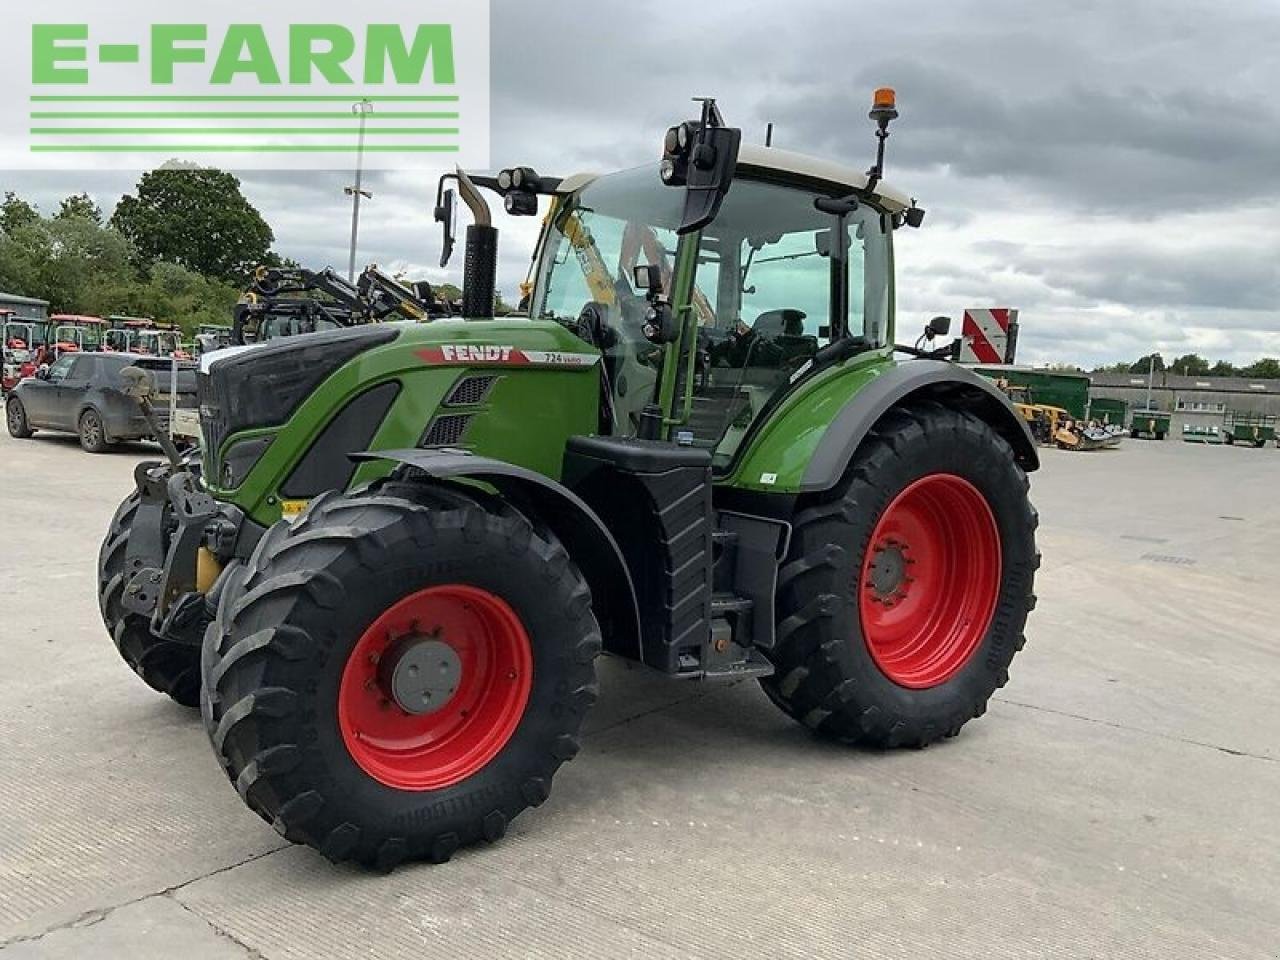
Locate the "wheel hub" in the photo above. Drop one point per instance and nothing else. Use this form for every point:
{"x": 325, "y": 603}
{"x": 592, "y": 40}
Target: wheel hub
{"x": 887, "y": 577}
{"x": 420, "y": 674}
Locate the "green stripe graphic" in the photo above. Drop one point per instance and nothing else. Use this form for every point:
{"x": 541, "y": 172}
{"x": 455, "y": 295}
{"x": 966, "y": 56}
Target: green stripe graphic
{"x": 222, "y": 131}
{"x": 240, "y": 148}
{"x": 173, "y": 98}
{"x": 187, "y": 115}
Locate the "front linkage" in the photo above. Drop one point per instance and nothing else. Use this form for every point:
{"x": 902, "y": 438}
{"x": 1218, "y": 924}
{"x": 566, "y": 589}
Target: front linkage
{"x": 159, "y": 562}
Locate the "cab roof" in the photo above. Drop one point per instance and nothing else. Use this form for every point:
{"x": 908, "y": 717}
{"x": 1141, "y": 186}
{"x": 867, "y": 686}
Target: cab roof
{"x": 815, "y": 168}
{"x": 758, "y": 159}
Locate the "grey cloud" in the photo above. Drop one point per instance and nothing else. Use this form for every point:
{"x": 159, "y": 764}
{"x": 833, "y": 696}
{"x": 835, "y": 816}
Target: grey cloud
{"x": 1124, "y": 113}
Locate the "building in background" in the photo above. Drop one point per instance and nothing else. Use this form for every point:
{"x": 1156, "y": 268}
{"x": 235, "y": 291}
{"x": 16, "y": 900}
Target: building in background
{"x": 1198, "y": 401}
{"x": 29, "y": 309}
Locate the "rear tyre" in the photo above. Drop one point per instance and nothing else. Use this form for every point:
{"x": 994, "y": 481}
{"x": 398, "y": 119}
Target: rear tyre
{"x": 399, "y": 673}
{"x": 167, "y": 666}
{"x": 904, "y": 596}
{"x": 15, "y": 417}
{"x": 93, "y": 434}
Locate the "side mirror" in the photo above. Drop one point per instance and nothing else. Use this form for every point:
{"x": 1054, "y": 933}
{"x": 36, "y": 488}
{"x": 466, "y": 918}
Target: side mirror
{"x": 647, "y": 277}
{"x": 447, "y": 215}
{"x": 138, "y": 383}
{"x": 42, "y": 372}
{"x": 939, "y": 326}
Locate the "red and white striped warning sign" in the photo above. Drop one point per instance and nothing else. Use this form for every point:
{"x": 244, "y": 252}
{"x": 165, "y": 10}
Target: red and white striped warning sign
{"x": 985, "y": 335}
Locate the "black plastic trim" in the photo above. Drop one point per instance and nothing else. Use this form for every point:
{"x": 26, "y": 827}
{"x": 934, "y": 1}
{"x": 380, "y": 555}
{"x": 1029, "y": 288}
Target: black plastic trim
{"x": 240, "y": 459}
{"x": 265, "y": 385}
{"x": 327, "y": 464}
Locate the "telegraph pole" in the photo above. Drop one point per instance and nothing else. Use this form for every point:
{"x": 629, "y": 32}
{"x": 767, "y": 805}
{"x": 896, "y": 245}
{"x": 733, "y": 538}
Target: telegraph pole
{"x": 361, "y": 110}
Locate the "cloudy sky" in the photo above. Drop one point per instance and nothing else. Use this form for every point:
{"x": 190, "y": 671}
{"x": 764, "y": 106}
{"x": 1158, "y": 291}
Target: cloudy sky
{"x": 1112, "y": 169}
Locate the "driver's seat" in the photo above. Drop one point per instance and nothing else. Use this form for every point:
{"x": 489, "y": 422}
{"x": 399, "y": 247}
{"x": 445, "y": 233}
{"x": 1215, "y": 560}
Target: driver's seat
{"x": 784, "y": 329}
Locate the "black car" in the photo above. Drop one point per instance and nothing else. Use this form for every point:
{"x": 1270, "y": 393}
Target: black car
{"x": 82, "y": 393}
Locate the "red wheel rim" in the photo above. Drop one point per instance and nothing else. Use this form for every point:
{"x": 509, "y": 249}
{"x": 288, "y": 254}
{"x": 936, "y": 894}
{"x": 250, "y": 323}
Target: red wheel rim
{"x": 930, "y": 581}
{"x": 430, "y": 751}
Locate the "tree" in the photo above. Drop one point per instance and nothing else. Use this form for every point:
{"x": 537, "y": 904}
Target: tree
{"x": 81, "y": 266}
{"x": 198, "y": 219}
{"x": 16, "y": 213}
{"x": 1223, "y": 368}
{"x": 1143, "y": 364}
{"x": 1190, "y": 365}
{"x": 80, "y": 205}
{"x": 1268, "y": 368}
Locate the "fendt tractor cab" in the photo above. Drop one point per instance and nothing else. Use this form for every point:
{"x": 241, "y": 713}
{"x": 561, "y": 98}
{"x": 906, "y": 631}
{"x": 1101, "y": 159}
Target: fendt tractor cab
{"x": 405, "y": 544}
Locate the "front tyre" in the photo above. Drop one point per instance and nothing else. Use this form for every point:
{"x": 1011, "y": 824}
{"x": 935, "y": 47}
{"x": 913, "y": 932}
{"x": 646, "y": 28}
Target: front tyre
{"x": 400, "y": 673}
{"x": 165, "y": 665}
{"x": 904, "y": 596}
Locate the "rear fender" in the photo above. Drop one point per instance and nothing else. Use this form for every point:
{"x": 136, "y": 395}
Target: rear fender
{"x": 946, "y": 383}
{"x": 577, "y": 526}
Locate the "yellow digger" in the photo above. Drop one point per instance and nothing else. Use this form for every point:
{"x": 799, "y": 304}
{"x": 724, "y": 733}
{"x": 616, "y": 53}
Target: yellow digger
{"x": 1054, "y": 426}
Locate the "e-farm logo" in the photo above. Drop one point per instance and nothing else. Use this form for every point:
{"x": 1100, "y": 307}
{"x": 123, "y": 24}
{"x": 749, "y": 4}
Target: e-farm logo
{"x": 250, "y": 85}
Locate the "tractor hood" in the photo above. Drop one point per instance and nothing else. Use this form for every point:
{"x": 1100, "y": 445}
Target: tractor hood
{"x": 281, "y": 420}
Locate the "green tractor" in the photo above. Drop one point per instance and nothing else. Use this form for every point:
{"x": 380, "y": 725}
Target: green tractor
{"x": 388, "y": 577}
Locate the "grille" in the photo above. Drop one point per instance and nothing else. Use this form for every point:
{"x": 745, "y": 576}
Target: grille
{"x": 470, "y": 391}
{"x": 446, "y": 431}
{"x": 212, "y": 423}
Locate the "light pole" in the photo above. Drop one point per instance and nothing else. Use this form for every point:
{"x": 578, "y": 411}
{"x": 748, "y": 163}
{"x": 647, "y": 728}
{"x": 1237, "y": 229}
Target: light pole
{"x": 361, "y": 110}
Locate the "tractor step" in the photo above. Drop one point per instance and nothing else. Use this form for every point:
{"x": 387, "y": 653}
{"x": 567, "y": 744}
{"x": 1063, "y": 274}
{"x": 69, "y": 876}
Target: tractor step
{"x": 722, "y": 603}
{"x": 755, "y": 665}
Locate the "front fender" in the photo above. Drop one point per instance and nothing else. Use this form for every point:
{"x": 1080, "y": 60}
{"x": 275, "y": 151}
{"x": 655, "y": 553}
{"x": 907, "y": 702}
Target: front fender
{"x": 577, "y": 526}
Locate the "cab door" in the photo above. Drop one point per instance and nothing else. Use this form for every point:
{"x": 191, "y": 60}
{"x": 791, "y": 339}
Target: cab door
{"x": 40, "y": 396}
{"x": 71, "y": 391}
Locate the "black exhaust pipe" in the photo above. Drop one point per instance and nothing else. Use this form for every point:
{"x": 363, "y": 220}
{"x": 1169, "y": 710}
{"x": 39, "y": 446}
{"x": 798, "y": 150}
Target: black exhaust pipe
{"x": 480, "y": 267}
{"x": 480, "y": 271}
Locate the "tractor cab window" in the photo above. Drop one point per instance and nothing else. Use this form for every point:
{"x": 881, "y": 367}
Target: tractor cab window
{"x": 620, "y": 221}
{"x": 792, "y": 280}
{"x": 776, "y": 280}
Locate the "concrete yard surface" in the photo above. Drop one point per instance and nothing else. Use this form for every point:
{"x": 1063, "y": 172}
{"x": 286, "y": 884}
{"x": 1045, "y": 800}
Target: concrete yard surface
{"x": 1118, "y": 799}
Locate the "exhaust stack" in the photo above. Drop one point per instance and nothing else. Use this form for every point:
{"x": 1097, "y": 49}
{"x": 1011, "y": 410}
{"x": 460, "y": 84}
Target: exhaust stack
{"x": 480, "y": 265}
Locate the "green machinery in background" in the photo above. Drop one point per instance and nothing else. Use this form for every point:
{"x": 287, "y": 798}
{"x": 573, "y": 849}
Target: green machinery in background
{"x": 1209, "y": 433}
{"x": 1239, "y": 426}
{"x": 1149, "y": 424}
{"x": 1108, "y": 412}
{"x": 1052, "y": 388}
